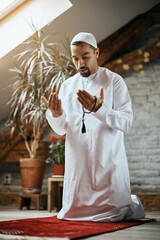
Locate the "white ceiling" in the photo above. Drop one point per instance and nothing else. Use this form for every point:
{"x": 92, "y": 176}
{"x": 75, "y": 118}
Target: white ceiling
{"x": 101, "y": 17}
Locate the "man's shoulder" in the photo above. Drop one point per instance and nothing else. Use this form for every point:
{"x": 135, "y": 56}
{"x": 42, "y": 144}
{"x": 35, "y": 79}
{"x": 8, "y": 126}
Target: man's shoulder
{"x": 109, "y": 73}
{"x": 109, "y": 77}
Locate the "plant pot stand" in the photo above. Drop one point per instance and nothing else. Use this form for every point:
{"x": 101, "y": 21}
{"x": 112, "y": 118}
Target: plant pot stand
{"x": 24, "y": 200}
{"x": 55, "y": 188}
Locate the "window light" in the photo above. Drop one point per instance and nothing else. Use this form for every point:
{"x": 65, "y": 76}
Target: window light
{"x": 15, "y": 29}
{"x": 6, "y": 6}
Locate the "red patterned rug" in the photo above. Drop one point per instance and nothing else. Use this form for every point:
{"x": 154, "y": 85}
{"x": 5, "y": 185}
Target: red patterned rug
{"x": 52, "y": 227}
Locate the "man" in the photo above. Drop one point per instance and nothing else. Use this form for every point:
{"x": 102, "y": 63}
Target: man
{"x": 94, "y": 110}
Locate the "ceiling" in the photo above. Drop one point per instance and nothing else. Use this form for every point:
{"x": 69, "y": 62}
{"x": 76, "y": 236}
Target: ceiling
{"x": 102, "y": 18}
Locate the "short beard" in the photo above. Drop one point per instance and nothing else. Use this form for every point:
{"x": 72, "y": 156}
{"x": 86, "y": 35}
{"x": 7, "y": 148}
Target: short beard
{"x": 87, "y": 74}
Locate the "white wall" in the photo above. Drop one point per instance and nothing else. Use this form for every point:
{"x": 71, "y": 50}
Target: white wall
{"x": 101, "y": 17}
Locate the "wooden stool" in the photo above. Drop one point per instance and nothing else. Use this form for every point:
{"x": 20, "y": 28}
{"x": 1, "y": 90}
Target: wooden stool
{"x": 24, "y": 200}
{"x": 60, "y": 192}
{"x": 55, "y": 187}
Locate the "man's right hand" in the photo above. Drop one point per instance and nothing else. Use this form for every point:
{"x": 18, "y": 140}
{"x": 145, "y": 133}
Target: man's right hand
{"x": 54, "y": 104}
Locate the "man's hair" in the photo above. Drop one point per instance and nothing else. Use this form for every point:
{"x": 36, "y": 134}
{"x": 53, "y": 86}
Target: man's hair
{"x": 79, "y": 42}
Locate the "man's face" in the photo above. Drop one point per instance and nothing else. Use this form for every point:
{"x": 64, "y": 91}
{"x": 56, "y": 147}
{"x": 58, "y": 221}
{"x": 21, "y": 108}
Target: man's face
{"x": 85, "y": 59}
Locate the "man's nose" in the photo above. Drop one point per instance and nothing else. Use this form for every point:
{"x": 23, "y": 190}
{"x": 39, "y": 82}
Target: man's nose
{"x": 81, "y": 63}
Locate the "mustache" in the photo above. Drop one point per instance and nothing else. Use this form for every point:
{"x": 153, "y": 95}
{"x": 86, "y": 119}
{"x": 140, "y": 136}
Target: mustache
{"x": 82, "y": 68}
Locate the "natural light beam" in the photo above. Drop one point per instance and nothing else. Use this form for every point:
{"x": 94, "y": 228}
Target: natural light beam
{"x": 16, "y": 30}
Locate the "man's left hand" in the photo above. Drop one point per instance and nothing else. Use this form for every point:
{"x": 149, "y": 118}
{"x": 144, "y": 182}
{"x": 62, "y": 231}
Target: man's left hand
{"x": 88, "y": 101}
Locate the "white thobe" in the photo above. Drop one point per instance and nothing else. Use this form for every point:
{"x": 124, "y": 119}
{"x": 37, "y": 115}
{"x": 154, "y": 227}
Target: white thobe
{"x": 96, "y": 180}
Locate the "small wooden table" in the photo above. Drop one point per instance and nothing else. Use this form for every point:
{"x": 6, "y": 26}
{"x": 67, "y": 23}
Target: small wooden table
{"x": 55, "y": 185}
{"x": 24, "y": 200}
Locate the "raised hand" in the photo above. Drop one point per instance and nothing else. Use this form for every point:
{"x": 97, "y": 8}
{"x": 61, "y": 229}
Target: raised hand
{"x": 88, "y": 101}
{"x": 54, "y": 104}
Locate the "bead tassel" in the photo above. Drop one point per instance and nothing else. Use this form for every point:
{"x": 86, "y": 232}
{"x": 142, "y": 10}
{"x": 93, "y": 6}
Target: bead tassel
{"x": 83, "y": 127}
{"x": 83, "y": 124}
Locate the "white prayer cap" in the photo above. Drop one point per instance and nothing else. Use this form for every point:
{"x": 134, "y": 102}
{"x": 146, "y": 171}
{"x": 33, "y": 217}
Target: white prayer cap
{"x": 85, "y": 37}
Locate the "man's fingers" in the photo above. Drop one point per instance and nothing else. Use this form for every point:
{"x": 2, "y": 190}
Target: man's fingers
{"x": 87, "y": 100}
{"x": 85, "y": 97}
{"x": 55, "y": 101}
{"x": 86, "y": 94}
{"x": 45, "y": 101}
{"x": 59, "y": 104}
{"x": 54, "y": 104}
{"x": 50, "y": 100}
{"x": 101, "y": 94}
{"x": 82, "y": 99}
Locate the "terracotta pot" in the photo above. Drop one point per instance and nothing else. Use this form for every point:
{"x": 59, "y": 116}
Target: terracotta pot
{"x": 32, "y": 173}
{"x": 58, "y": 169}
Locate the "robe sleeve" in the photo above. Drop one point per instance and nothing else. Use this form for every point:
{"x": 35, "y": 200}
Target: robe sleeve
{"x": 58, "y": 124}
{"x": 120, "y": 116}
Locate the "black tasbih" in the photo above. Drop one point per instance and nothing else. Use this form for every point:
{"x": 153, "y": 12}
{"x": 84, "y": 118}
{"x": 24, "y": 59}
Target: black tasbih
{"x": 84, "y": 112}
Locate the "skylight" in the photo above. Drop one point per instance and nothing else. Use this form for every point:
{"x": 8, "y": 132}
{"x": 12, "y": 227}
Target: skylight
{"x": 14, "y": 28}
{"x": 6, "y": 6}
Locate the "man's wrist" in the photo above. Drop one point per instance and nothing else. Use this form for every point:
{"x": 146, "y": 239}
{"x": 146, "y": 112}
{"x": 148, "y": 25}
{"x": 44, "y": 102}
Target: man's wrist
{"x": 56, "y": 115}
{"x": 97, "y": 107}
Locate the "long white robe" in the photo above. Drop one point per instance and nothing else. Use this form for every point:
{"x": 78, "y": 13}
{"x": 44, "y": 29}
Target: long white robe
{"x": 96, "y": 181}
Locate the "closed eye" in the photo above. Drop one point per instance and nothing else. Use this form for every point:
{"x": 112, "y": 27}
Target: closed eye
{"x": 75, "y": 59}
{"x": 84, "y": 58}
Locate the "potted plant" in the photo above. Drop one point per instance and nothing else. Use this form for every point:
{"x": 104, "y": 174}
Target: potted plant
{"x": 41, "y": 70}
{"x": 57, "y": 155}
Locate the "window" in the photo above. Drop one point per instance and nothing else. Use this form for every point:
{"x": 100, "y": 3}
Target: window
{"x": 17, "y": 15}
{"x": 7, "y": 6}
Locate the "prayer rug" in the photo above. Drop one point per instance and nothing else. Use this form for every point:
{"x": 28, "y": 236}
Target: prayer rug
{"x": 51, "y": 227}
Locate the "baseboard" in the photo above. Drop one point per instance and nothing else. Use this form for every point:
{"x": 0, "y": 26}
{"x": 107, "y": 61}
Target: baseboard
{"x": 11, "y": 199}
{"x": 149, "y": 201}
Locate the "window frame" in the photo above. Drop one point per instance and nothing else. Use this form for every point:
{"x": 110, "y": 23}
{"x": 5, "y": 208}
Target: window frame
{"x": 11, "y": 7}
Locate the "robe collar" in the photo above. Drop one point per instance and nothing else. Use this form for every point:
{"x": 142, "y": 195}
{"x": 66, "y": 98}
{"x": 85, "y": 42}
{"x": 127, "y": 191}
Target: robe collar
{"x": 94, "y": 82}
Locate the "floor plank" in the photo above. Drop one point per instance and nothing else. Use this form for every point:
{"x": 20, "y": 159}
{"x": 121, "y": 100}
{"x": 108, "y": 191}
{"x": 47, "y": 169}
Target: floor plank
{"x": 147, "y": 231}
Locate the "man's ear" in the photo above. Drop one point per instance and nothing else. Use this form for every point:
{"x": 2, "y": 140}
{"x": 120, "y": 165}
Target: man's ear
{"x": 97, "y": 53}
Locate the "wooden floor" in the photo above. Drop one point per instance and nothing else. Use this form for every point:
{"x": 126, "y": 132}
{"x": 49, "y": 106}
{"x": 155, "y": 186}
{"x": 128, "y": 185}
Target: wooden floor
{"x": 148, "y": 231}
